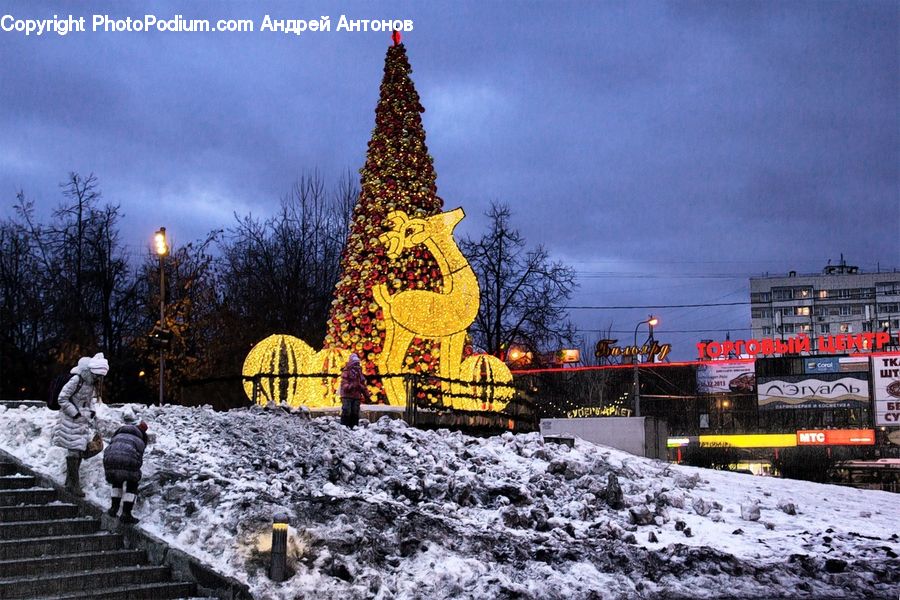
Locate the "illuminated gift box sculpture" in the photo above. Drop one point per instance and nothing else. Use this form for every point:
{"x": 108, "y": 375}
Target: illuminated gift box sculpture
{"x": 406, "y": 294}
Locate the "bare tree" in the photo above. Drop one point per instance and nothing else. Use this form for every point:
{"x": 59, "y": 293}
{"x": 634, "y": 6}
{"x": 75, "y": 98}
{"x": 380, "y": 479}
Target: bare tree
{"x": 522, "y": 291}
{"x": 67, "y": 284}
{"x": 278, "y": 275}
{"x": 23, "y": 323}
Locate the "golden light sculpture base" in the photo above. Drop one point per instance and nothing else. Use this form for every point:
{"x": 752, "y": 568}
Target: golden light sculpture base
{"x": 269, "y": 368}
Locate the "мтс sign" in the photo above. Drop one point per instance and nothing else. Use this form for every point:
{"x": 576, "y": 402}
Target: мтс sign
{"x": 810, "y": 437}
{"x": 836, "y": 437}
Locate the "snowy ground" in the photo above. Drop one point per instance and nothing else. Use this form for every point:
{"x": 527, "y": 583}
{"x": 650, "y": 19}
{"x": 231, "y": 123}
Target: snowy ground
{"x": 388, "y": 511}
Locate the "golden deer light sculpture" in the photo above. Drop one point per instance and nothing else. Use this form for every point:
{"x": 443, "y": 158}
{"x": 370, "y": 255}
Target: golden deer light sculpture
{"x": 443, "y": 315}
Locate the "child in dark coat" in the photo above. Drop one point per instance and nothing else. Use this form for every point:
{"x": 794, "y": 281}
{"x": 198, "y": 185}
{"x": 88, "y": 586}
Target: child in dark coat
{"x": 122, "y": 462}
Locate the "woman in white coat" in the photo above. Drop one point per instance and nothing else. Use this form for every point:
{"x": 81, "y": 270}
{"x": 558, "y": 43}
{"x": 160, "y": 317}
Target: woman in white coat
{"x": 76, "y": 423}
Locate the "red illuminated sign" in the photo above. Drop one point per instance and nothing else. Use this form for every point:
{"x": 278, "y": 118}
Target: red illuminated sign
{"x": 836, "y": 437}
{"x": 828, "y": 344}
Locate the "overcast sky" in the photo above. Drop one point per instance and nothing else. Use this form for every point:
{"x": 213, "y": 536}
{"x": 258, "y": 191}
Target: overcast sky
{"x": 666, "y": 151}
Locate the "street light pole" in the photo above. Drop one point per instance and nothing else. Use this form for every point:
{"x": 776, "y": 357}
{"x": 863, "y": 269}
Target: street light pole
{"x": 162, "y": 248}
{"x": 651, "y": 321}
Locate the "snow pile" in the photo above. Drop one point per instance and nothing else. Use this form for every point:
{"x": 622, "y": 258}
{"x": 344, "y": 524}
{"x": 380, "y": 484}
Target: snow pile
{"x": 389, "y": 511}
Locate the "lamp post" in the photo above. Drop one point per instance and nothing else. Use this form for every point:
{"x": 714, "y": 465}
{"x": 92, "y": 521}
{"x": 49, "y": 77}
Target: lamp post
{"x": 162, "y": 248}
{"x": 651, "y": 321}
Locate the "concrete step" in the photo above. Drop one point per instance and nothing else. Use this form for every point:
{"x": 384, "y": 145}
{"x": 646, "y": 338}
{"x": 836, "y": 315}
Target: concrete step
{"x": 151, "y": 591}
{"x": 54, "y": 585}
{"x": 27, "y": 496}
{"x": 49, "y": 550}
{"x": 16, "y": 482}
{"x": 37, "y": 512}
{"x": 54, "y": 527}
{"x": 69, "y": 544}
{"x": 65, "y": 563}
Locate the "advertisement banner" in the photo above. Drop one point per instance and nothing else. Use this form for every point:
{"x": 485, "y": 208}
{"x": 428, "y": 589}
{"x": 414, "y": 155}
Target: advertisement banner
{"x": 886, "y": 384}
{"x": 724, "y": 377}
{"x": 836, "y": 437}
{"x": 834, "y": 390}
{"x": 821, "y": 365}
{"x": 853, "y": 364}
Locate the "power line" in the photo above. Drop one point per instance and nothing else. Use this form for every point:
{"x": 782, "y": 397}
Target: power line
{"x": 636, "y": 275}
{"x": 657, "y": 330}
{"x": 656, "y": 306}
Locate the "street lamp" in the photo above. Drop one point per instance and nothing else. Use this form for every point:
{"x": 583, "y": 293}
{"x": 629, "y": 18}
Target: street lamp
{"x": 162, "y": 249}
{"x": 651, "y": 321}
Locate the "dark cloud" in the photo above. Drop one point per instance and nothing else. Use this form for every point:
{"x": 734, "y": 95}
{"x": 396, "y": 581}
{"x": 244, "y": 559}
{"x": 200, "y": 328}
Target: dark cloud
{"x": 643, "y": 143}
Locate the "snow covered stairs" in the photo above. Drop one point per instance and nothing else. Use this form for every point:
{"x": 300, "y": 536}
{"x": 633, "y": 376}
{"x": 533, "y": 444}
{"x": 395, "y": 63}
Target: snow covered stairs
{"x": 48, "y": 551}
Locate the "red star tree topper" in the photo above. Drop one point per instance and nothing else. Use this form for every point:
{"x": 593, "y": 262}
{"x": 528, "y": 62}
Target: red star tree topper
{"x": 398, "y": 175}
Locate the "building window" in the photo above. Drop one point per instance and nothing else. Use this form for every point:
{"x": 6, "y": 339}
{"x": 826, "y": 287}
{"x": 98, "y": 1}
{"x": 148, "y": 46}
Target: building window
{"x": 761, "y": 297}
{"x": 890, "y": 308}
{"x": 821, "y": 311}
{"x": 788, "y": 328}
{"x": 845, "y": 310}
{"x": 885, "y": 324}
{"x": 804, "y": 328}
{"x": 801, "y": 311}
{"x": 823, "y": 293}
{"x": 845, "y": 328}
{"x": 823, "y": 328}
{"x": 803, "y": 292}
{"x": 766, "y": 330}
{"x": 889, "y": 288}
{"x": 783, "y": 294}
{"x": 866, "y": 326}
{"x": 845, "y": 293}
{"x": 856, "y": 310}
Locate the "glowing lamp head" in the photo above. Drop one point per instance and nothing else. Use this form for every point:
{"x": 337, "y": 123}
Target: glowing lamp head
{"x": 160, "y": 243}
{"x": 569, "y": 355}
{"x": 653, "y": 321}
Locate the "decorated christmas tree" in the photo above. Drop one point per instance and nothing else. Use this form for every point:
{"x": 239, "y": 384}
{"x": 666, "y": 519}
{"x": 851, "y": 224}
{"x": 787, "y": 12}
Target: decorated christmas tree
{"x": 398, "y": 176}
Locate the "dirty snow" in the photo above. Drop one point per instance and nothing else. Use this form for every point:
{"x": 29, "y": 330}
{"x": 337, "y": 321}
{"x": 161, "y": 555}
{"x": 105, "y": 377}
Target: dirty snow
{"x": 388, "y": 511}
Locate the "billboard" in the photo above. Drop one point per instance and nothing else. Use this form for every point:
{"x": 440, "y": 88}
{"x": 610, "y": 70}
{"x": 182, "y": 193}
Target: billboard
{"x": 836, "y": 437}
{"x": 851, "y": 364}
{"x": 825, "y": 390}
{"x": 727, "y": 376}
{"x": 821, "y": 365}
{"x": 835, "y": 364}
{"x": 886, "y": 384}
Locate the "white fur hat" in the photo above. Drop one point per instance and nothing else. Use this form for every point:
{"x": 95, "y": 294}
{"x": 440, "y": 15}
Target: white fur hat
{"x": 98, "y": 364}
{"x": 83, "y": 365}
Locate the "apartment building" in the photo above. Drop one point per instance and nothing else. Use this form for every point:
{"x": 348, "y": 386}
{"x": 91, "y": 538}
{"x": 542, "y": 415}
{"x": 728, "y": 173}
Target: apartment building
{"x": 841, "y": 299}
